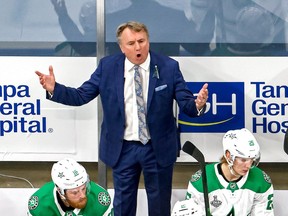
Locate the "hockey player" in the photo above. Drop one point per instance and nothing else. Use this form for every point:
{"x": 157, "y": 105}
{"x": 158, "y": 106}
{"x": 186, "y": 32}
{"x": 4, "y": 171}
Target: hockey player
{"x": 236, "y": 186}
{"x": 70, "y": 193}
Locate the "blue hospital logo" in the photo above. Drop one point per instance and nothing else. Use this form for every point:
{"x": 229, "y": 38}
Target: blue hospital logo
{"x": 225, "y": 108}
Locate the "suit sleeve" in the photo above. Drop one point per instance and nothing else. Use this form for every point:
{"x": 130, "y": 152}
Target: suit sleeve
{"x": 184, "y": 97}
{"x": 78, "y": 96}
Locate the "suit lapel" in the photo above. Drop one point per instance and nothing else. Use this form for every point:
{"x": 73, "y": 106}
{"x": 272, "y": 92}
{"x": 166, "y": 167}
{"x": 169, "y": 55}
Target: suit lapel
{"x": 119, "y": 79}
{"x": 152, "y": 81}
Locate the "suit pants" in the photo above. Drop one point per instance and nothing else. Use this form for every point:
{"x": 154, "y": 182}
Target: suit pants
{"x": 135, "y": 159}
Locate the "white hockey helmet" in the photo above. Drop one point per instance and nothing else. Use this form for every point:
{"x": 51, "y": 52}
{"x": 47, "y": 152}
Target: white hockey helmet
{"x": 241, "y": 143}
{"x": 68, "y": 174}
{"x": 187, "y": 208}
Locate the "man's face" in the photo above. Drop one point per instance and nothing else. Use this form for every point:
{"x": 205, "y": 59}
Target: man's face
{"x": 77, "y": 197}
{"x": 242, "y": 165}
{"x": 135, "y": 45}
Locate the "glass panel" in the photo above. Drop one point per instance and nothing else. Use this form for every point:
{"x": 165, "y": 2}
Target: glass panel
{"x": 170, "y": 29}
{"x": 205, "y": 27}
{"x": 48, "y": 27}
{"x": 177, "y": 28}
{"x": 251, "y": 27}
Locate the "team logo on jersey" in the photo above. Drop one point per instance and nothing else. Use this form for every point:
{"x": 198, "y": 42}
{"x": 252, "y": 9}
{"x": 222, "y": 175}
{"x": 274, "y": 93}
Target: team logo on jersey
{"x": 33, "y": 202}
{"x": 232, "y": 186}
{"x": 196, "y": 176}
{"x": 267, "y": 177}
{"x": 104, "y": 199}
{"x": 216, "y": 203}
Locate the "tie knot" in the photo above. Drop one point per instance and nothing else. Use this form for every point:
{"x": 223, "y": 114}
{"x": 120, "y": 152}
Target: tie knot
{"x": 136, "y": 67}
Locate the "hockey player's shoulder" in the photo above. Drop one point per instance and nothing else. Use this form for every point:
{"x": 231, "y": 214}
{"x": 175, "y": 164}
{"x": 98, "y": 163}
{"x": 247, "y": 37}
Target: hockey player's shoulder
{"x": 197, "y": 175}
{"x": 258, "y": 181}
{"x": 260, "y": 175}
{"x": 103, "y": 197}
{"x": 42, "y": 199}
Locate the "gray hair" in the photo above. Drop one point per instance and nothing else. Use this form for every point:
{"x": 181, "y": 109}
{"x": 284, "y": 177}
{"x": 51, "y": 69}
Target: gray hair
{"x": 132, "y": 25}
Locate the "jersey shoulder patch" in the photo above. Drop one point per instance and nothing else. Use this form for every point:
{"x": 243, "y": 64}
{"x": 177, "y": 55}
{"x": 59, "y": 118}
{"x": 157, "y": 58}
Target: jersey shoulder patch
{"x": 104, "y": 198}
{"x": 266, "y": 177}
{"x": 33, "y": 202}
{"x": 196, "y": 176}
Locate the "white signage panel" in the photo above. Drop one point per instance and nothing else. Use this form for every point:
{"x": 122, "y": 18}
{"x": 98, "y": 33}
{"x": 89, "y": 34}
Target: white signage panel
{"x": 260, "y": 105}
{"x": 34, "y": 128}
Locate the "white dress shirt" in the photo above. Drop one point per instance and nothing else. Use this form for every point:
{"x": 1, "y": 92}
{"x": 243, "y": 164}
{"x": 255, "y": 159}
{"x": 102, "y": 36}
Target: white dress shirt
{"x": 130, "y": 105}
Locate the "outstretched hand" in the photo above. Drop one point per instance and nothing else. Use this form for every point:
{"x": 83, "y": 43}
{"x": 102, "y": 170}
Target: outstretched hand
{"x": 47, "y": 81}
{"x": 60, "y": 7}
{"x": 202, "y": 97}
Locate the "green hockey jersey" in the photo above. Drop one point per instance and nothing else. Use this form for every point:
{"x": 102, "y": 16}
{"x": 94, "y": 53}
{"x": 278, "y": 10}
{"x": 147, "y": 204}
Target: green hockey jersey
{"x": 252, "y": 195}
{"x": 44, "y": 202}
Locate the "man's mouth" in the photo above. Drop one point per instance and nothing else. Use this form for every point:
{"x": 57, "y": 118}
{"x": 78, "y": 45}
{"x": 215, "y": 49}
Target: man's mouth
{"x": 138, "y": 55}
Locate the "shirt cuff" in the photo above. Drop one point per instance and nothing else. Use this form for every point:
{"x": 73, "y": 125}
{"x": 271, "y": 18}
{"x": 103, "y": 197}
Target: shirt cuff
{"x": 200, "y": 112}
{"x": 50, "y": 95}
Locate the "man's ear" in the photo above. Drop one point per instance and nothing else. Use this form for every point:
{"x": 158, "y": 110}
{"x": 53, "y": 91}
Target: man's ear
{"x": 228, "y": 155}
{"x": 121, "y": 48}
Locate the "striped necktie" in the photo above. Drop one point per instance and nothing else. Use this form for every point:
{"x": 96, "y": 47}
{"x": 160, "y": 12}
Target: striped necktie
{"x": 142, "y": 126}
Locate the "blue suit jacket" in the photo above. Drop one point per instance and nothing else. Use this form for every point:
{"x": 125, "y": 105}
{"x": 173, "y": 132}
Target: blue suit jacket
{"x": 108, "y": 81}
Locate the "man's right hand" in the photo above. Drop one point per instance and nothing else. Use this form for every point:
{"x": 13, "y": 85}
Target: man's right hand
{"x": 60, "y": 7}
{"x": 47, "y": 81}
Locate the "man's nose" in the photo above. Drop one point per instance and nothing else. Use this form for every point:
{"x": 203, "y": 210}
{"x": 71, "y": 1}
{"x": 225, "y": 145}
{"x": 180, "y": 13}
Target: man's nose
{"x": 82, "y": 194}
{"x": 137, "y": 46}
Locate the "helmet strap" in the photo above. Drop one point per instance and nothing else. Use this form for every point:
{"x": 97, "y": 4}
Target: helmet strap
{"x": 230, "y": 162}
{"x": 232, "y": 171}
{"x": 62, "y": 196}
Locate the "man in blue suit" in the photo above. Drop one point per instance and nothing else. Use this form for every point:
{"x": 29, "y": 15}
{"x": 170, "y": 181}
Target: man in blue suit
{"x": 120, "y": 146}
